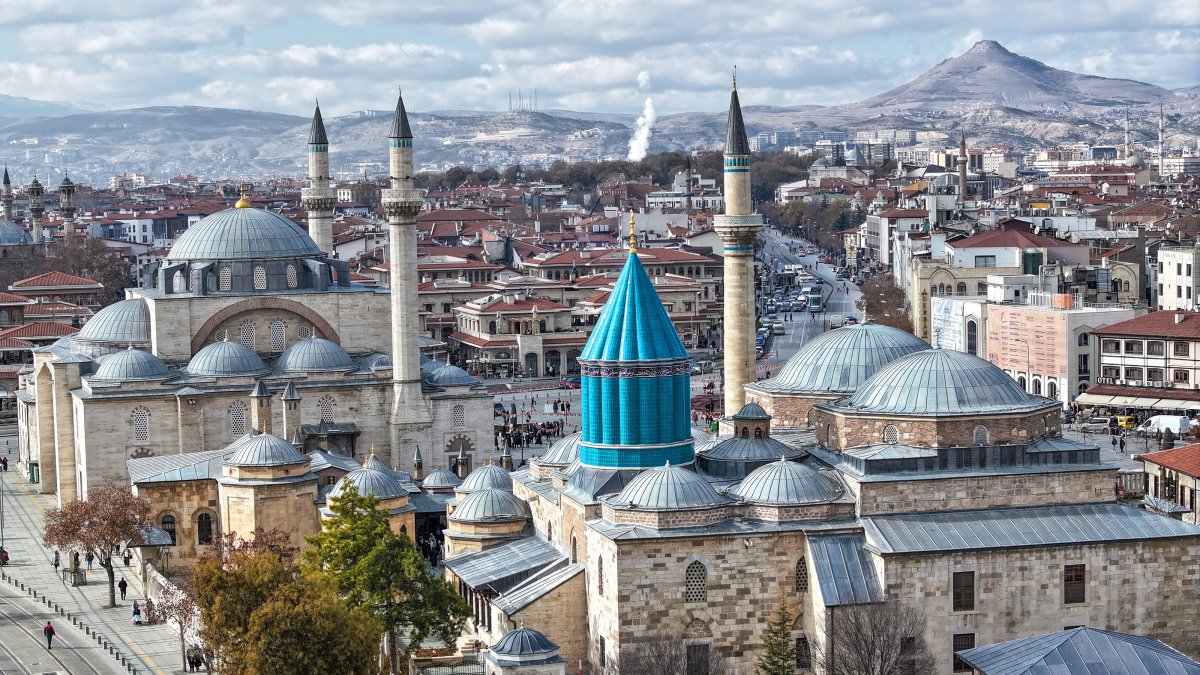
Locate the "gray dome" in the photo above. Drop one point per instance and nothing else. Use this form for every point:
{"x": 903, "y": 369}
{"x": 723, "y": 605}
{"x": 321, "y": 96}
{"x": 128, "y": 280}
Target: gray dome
{"x": 450, "y": 376}
{"x": 752, "y": 411}
{"x": 243, "y": 234}
{"x": 564, "y": 451}
{"x": 226, "y": 359}
{"x": 441, "y": 478}
{"x": 374, "y": 462}
{"x": 738, "y": 449}
{"x": 379, "y": 361}
{"x": 265, "y": 450}
{"x": 785, "y": 482}
{"x": 668, "y": 487}
{"x": 12, "y": 234}
{"x": 429, "y": 366}
{"x": 369, "y": 482}
{"x": 940, "y": 382}
{"x": 314, "y": 355}
{"x": 486, "y": 477}
{"x": 840, "y": 360}
{"x": 122, "y": 323}
{"x": 490, "y": 506}
{"x": 131, "y": 365}
{"x": 524, "y": 642}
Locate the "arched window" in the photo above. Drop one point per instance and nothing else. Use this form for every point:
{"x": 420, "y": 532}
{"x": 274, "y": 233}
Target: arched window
{"x": 801, "y": 576}
{"x": 246, "y": 334}
{"x": 600, "y": 576}
{"x": 549, "y": 531}
{"x": 574, "y": 549}
{"x": 260, "y": 278}
{"x": 141, "y": 425}
{"x": 758, "y": 433}
{"x": 204, "y": 530}
{"x": 973, "y": 338}
{"x": 305, "y": 332}
{"x": 224, "y": 279}
{"x": 278, "y": 336}
{"x": 695, "y": 583}
{"x": 237, "y": 419}
{"x": 1083, "y": 339}
{"x": 221, "y": 335}
{"x": 179, "y": 282}
{"x": 1037, "y": 387}
{"x": 459, "y": 415}
{"x": 961, "y": 289}
{"x": 1021, "y": 383}
{"x": 293, "y": 279}
{"x": 167, "y": 523}
{"x": 980, "y": 435}
{"x": 325, "y": 407}
{"x": 891, "y": 434}
{"x": 1052, "y": 389}
{"x": 745, "y": 432}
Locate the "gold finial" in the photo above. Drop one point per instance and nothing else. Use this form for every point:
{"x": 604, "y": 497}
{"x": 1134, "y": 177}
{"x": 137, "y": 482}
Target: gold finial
{"x": 242, "y": 202}
{"x": 735, "y": 78}
{"x": 632, "y": 232}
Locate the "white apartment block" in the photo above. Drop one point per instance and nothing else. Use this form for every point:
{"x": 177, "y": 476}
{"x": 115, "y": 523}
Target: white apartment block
{"x": 1177, "y": 267}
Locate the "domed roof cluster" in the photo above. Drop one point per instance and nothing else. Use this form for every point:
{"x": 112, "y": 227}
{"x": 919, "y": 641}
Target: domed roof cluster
{"x": 12, "y": 234}
{"x": 226, "y": 359}
{"x": 368, "y": 481}
{"x": 449, "y": 376}
{"x": 668, "y": 488}
{"x": 440, "y": 479}
{"x": 243, "y": 234}
{"x": 486, "y": 477}
{"x": 841, "y": 360}
{"x": 131, "y": 365}
{"x": 940, "y": 382}
{"x": 265, "y": 450}
{"x": 489, "y": 506}
{"x": 785, "y": 482}
{"x": 314, "y": 355}
{"x": 122, "y": 324}
{"x": 524, "y": 642}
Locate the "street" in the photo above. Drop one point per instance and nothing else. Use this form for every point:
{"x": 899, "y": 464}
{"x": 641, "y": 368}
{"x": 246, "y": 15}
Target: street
{"x": 23, "y": 648}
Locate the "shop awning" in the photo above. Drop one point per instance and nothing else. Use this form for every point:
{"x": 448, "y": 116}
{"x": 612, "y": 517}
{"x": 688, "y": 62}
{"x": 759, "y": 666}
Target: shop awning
{"x": 1093, "y": 399}
{"x": 1143, "y": 403}
{"x": 1176, "y": 404}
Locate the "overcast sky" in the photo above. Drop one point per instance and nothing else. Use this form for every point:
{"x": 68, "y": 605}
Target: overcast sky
{"x": 601, "y": 55}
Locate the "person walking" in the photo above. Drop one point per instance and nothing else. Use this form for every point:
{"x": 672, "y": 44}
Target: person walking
{"x": 48, "y": 631}
{"x": 1113, "y": 443}
{"x": 123, "y": 586}
{"x": 90, "y": 559}
{"x": 56, "y": 562}
{"x": 128, "y": 556}
{"x": 1122, "y": 444}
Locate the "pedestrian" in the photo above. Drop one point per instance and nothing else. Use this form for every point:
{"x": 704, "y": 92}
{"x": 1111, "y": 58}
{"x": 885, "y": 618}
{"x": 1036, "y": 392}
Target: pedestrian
{"x": 90, "y": 559}
{"x": 123, "y": 586}
{"x": 75, "y": 562}
{"x": 48, "y": 631}
{"x": 1114, "y": 443}
{"x": 4, "y": 462}
{"x": 56, "y": 562}
{"x": 137, "y": 614}
{"x": 128, "y": 556}
{"x": 1122, "y": 444}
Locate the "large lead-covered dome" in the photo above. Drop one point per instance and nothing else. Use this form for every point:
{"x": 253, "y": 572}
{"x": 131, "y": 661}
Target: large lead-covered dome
{"x": 243, "y": 234}
{"x": 131, "y": 365}
{"x": 369, "y": 482}
{"x": 489, "y": 506}
{"x": 667, "y": 488}
{"x": 783, "y": 482}
{"x": 12, "y": 234}
{"x": 265, "y": 450}
{"x": 314, "y": 355}
{"x": 840, "y": 360}
{"x": 487, "y": 477}
{"x": 122, "y": 323}
{"x": 940, "y": 382}
{"x": 226, "y": 359}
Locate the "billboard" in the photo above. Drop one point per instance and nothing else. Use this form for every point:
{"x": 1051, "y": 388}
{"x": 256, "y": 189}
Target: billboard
{"x": 946, "y": 323}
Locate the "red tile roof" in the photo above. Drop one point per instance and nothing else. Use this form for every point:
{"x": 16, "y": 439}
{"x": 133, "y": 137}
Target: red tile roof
{"x": 483, "y": 341}
{"x": 904, "y": 213}
{"x": 53, "y": 279}
{"x": 39, "y": 329}
{"x": 12, "y": 299}
{"x": 1184, "y": 460}
{"x": 1009, "y": 237}
{"x": 1160, "y": 324}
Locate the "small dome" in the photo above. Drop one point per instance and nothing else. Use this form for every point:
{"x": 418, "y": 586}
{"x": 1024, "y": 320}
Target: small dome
{"x": 122, "y": 323}
{"x": 524, "y": 642}
{"x": 131, "y": 365}
{"x": 451, "y": 376}
{"x": 752, "y": 411}
{"x": 265, "y": 450}
{"x": 243, "y": 234}
{"x": 226, "y": 359}
{"x": 669, "y": 487}
{"x": 379, "y": 362}
{"x": 785, "y": 482}
{"x": 374, "y": 462}
{"x": 941, "y": 382}
{"x": 429, "y": 366}
{"x": 314, "y": 355}
{"x": 12, "y": 234}
{"x": 440, "y": 479}
{"x": 564, "y": 451}
{"x": 371, "y": 482}
{"x": 486, "y": 477}
{"x": 739, "y": 449}
{"x": 840, "y": 360}
{"x": 489, "y": 506}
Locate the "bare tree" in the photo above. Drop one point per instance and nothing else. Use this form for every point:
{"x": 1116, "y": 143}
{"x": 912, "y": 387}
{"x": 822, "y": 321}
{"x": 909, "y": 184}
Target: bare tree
{"x": 879, "y": 639}
{"x": 664, "y": 652}
{"x": 883, "y": 302}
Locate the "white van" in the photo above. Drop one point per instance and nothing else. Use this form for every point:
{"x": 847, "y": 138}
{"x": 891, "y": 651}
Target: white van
{"x": 1177, "y": 423}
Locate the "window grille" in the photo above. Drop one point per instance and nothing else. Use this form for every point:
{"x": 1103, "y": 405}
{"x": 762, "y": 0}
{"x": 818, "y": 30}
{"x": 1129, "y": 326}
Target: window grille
{"x": 293, "y": 279}
{"x": 260, "y": 278}
{"x": 1074, "y": 584}
{"x": 167, "y": 522}
{"x": 224, "y": 279}
{"x": 460, "y": 416}
{"x": 325, "y": 408}
{"x": 801, "y": 576}
{"x": 963, "y": 591}
{"x": 278, "y": 336}
{"x": 958, "y": 643}
{"x": 141, "y": 425}
{"x": 696, "y": 583}
{"x": 237, "y": 419}
{"x": 247, "y": 335}
{"x": 891, "y": 434}
{"x": 981, "y": 435}
{"x": 305, "y": 332}
{"x": 204, "y": 529}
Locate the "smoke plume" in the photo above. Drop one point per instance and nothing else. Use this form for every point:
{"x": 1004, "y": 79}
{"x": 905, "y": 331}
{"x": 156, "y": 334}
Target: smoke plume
{"x": 640, "y": 143}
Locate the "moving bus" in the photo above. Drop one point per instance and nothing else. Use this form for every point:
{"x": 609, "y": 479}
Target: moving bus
{"x": 816, "y": 302}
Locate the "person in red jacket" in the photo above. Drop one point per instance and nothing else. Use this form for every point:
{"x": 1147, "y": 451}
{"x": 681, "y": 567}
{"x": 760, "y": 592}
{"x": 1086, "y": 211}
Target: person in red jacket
{"x": 48, "y": 631}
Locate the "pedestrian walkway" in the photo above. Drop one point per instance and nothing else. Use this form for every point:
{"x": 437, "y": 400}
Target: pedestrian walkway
{"x": 146, "y": 649}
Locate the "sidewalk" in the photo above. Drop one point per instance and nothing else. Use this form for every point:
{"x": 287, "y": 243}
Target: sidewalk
{"x": 145, "y": 649}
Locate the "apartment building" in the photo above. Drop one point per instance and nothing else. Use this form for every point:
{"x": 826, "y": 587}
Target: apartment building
{"x": 1150, "y": 363}
{"x": 1177, "y": 267}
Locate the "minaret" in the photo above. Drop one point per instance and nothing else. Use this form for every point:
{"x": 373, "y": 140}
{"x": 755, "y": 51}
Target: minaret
{"x": 402, "y": 202}
{"x": 6, "y": 197}
{"x": 36, "y": 209}
{"x": 738, "y": 228}
{"x": 1161, "y": 136}
{"x": 962, "y": 167}
{"x": 260, "y": 411}
{"x": 319, "y": 198}
{"x": 1125, "y": 148}
{"x": 66, "y": 205}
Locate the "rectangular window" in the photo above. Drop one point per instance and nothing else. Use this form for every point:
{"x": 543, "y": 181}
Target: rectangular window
{"x": 1133, "y": 346}
{"x": 1181, "y": 349}
{"x": 1133, "y": 373}
{"x": 697, "y": 659}
{"x": 1110, "y": 371}
{"x": 1188, "y": 271}
{"x": 803, "y": 655}
{"x": 958, "y": 643}
{"x": 603, "y": 656}
{"x": 985, "y": 261}
{"x": 1178, "y": 269}
{"x": 1084, "y": 368}
{"x": 1181, "y": 376}
{"x": 1110, "y": 346}
{"x": 1156, "y": 348}
{"x": 1074, "y": 584}
{"x": 981, "y": 288}
{"x": 1155, "y": 374}
{"x": 963, "y": 591}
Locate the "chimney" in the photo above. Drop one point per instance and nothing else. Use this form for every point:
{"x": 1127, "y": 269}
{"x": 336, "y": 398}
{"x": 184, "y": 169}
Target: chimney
{"x": 1179, "y": 316}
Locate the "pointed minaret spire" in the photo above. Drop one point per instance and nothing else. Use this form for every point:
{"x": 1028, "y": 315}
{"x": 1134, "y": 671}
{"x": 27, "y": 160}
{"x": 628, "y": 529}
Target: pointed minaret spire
{"x": 736, "y": 142}
{"x": 318, "y": 198}
{"x": 400, "y": 128}
{"x": 316, "y": 134}
{"x": 6, "y": 196}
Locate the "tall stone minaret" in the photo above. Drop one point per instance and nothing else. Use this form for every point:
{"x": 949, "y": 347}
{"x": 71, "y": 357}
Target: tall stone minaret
{"x": 962, "y": 166}
{"x": 738, "y": 228}
{"x": 402, "y": 202}
{"x": 66, "y": 206}
{"x": 36, "y": 209}
{"x": 6, "y": 197}
{"x": 319, "y": 198}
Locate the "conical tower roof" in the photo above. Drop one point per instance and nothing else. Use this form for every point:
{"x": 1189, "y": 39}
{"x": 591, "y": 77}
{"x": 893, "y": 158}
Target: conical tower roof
{"x": 736, "y": 142}
{"x": 400, "y": 128}
{"x": 634, "y": 326}
{"x": 316, "y": 134}
{"x": 7, "y": 182}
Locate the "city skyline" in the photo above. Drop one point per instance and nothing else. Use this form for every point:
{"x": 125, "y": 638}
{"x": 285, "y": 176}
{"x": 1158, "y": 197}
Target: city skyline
{"x": 607, "y": 57}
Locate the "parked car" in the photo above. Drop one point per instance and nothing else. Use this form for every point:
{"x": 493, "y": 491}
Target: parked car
{"x": 571, "y": 382}
{"x": 851, "y": 320}
{"x": 1098, "y": 425}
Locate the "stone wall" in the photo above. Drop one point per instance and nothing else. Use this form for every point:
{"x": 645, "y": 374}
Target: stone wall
{"x": 560, "y": 615}
{"x": 984, "y": 491}
{"x": 666, "y": 519}
{"x": 185, "y": 500}
{"x": 840, "y": 430}
{"x": 786, "y": 410}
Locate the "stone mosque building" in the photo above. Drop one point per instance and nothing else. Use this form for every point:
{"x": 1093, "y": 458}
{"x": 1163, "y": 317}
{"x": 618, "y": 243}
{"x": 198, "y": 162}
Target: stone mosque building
{"x": 244, "y": 389}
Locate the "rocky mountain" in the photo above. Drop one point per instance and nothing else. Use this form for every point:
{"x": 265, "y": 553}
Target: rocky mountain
{"x": 998, "y": 96}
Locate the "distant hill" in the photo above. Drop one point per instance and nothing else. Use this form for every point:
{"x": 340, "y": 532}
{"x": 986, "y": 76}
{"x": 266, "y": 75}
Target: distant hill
{"x": 17, "y": 107}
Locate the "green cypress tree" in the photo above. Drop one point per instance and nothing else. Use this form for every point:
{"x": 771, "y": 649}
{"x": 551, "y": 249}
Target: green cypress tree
{"x": 779, "y": 654}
